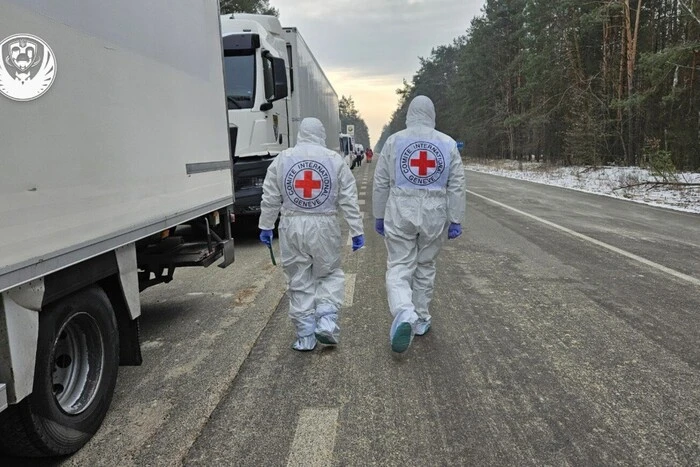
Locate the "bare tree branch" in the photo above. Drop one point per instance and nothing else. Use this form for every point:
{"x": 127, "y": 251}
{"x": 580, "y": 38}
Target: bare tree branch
{"x": 690, "y": 12}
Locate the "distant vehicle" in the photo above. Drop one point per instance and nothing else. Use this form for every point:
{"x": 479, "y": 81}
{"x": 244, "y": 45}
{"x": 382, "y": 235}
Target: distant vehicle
{"x": 347, "y": 147}
{"x": 116, "y": 170}
{"x": 273, "y": 81}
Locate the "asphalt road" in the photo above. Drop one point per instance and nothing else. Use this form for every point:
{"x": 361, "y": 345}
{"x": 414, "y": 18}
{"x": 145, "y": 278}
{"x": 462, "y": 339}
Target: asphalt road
{"x": 566, "y": 331}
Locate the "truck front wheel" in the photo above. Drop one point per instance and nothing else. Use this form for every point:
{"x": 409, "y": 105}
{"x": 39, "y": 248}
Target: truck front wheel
{"x": 76, "y": 370}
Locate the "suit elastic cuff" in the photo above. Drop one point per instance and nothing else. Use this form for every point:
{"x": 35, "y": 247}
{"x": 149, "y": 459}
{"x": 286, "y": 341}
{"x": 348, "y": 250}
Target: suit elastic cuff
{"x": 266, "y": 226}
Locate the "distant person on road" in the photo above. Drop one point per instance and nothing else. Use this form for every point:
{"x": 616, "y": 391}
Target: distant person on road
{"x": 309, "y": 184}
{"x": 359, "y": 155}
{"x": 418, "y": 200}
{"x": 369, "y": 153}
{"x": 357, "y": 158}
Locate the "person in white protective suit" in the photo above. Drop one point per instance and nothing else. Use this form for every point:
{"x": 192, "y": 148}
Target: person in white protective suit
{"x": 418, "y": 200}
{"x": 309, "y": 184}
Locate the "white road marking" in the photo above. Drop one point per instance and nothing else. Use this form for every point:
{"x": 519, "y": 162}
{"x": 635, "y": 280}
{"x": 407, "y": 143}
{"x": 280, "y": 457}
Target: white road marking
{"x": 314, "y": 439}
{"x": 627, "y": 254}
{"x": 349, "y": 289}
{"x": 148, "y": 345}
{"x": 218, "y": 294}
{"x": 349, "y": 242}
{"x": 363, "y": 193}
{"x": 361, "y": 202}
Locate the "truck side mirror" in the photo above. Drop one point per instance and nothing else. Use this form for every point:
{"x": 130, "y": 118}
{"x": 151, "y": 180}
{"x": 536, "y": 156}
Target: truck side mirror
{"x": 279, "y": 77}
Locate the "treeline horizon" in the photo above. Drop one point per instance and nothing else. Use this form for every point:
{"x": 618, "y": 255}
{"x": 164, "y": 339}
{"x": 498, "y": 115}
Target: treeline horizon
{"x": 569, "y": 82}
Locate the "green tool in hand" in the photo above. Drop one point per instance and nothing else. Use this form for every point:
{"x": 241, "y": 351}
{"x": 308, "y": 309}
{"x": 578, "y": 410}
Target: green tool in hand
{"x": 272, "y": 255}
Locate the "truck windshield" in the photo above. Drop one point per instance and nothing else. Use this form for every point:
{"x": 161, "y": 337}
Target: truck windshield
{"x": 239, "y": 71}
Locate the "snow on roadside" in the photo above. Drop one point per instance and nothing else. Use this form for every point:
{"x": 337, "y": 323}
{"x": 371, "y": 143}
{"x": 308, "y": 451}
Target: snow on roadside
{"x": 605, "y": 181}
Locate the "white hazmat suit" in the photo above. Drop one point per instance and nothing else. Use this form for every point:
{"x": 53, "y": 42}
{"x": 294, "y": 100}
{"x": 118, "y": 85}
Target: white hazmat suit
{"x": 309, "y": 184}
{"x": 418, "y": 191}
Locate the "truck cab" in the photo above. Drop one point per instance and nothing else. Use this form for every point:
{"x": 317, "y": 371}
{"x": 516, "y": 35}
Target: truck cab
{"x": 256, "y": 78}
{"x": 273, "y": 81}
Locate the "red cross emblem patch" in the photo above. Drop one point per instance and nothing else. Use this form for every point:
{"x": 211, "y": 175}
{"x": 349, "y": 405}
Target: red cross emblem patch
{"x": 422, "y": 163}
{"x": 307, "y": 184}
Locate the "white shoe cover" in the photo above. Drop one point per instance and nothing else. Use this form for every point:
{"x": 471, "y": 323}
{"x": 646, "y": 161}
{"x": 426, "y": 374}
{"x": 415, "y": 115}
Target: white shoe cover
{"x": 401, "y": 333}
{"x": 305, "y": 343}
{"x": 327, "y": 330}
{"x": 421, "y": 327}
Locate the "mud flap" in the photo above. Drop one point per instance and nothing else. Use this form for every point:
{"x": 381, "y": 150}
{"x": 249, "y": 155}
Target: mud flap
{"x": 228, "y": 249}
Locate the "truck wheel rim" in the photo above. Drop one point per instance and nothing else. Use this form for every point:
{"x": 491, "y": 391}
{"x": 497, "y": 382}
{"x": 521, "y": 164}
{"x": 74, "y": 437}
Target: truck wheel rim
{"x": 78, "y": 363}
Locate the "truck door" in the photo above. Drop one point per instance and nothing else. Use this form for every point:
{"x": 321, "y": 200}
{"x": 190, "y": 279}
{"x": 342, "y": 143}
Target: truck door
{"x": 274, "y": 73}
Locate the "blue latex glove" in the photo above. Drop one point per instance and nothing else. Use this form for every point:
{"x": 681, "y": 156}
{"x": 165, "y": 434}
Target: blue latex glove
{"x": 454, "y": 231}
{"x": 358, "y": 242}
{"x": 379, "y": 226}
{"x": 266, "y": 237}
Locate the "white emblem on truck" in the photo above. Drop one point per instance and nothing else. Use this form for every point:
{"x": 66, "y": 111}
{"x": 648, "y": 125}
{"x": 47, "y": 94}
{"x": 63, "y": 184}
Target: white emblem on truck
{"x": 27, "y": 67}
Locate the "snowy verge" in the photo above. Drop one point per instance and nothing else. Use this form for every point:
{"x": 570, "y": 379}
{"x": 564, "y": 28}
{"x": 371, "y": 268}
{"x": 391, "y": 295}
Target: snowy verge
{"x": 610, "y": 181}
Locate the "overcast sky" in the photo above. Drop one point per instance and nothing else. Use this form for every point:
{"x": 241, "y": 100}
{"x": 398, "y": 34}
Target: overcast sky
{"x": 366, "y": 47}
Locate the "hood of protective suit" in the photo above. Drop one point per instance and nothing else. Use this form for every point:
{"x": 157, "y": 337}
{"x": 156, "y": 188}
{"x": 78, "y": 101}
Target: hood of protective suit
{"x": 421, "y": 112}
{"x": 311, "y": 131}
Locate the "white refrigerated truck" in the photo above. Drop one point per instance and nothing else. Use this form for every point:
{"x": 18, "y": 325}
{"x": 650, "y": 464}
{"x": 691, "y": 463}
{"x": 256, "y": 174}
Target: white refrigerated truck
{"x": 273, "y": 81}
{"x": 347, "y": 148}
{"x": 115, "y": 169}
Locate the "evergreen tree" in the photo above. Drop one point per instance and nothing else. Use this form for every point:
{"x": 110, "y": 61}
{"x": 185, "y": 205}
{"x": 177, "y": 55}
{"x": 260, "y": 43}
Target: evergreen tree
{"x": 248, "y": 6}
{"x": 569, "y": 81}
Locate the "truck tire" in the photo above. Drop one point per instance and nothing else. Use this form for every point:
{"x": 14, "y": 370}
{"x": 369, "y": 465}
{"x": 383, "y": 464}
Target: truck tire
{"x": 76, "y": 370}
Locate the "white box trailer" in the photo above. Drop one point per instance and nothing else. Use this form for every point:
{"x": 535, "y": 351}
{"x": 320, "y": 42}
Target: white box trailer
{"x": 115, "y": 169}
{"x": 312, "y": 94}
